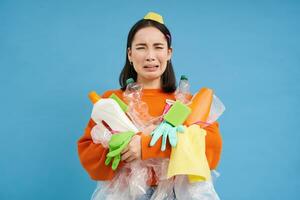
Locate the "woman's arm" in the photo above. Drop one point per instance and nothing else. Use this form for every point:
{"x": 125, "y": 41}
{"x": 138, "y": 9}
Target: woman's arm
{"x": 92, "y": 156}
{"x": 153, "y": 151}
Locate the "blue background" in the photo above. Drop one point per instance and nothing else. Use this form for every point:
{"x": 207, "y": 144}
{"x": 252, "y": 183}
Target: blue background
{"x": 52, "y": 53}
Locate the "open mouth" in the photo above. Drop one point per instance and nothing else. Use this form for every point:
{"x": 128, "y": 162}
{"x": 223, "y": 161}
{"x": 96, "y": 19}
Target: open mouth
{"x": 151, "y": 66}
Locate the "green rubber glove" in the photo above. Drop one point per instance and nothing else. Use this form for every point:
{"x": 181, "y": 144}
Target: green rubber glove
{"x": 117, "y": 143}
{"x": 172, "y": 124}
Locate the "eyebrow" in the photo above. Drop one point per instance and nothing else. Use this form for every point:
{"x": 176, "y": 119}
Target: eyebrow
{"x": 155, "y": 44}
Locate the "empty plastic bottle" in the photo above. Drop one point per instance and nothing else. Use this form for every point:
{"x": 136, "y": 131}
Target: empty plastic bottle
{"x": 138, "y": 109}
{"x": 133, "y": 92}
{"x": 182, "y": 92}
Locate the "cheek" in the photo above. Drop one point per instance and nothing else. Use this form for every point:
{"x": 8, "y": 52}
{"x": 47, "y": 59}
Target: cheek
{"x": 136, "y": 68}
{"x": 163, "y": 55}
{"x": 163, "y": 58}
{"x": 137, "y": 56}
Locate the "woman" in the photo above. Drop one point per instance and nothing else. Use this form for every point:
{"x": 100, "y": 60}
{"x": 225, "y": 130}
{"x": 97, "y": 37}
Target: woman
{"x": 148, "y": 62}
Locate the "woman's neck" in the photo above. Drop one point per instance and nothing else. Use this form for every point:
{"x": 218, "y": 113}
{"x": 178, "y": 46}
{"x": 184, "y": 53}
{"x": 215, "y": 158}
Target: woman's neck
{"x": 150, "y": 84}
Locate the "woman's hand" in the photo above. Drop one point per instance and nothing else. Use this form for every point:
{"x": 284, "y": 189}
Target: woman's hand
{"x": 133, "y": 150}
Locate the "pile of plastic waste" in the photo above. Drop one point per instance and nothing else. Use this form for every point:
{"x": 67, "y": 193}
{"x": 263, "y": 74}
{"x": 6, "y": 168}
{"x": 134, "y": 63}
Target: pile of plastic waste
{"x": 117, "y": 121}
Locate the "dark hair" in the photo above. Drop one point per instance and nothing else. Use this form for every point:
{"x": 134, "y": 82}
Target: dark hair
{"x": 168, "y": 80}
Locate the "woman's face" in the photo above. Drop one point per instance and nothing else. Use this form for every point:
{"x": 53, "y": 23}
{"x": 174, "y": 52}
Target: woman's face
{"x": 149, "y": 53}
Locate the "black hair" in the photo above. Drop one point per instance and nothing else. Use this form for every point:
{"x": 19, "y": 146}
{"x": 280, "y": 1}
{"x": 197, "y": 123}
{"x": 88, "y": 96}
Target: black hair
{"x": 168, "y": 80}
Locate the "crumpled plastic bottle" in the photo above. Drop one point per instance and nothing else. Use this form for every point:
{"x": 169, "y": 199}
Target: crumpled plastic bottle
{"x": 138, "y": 109}
{"x": 182, "y": 92}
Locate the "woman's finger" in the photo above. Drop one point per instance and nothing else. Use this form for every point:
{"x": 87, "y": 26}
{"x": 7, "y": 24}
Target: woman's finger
{"x": 125, "y": 150}
{"x": 130, "y": 159}
{"x": 126, "y": 155}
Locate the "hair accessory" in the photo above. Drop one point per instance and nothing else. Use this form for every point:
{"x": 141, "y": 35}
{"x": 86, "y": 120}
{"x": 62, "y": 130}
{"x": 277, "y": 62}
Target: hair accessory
{"x": 155, "y": 17}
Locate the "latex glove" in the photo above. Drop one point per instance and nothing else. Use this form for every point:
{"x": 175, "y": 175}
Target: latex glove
{"x": 117, "y": 143}
{"x": 171, "y": 125}
{"x": 166, "y": 130}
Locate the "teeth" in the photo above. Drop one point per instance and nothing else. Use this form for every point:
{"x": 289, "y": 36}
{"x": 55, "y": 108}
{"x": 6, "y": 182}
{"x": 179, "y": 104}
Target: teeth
{"x": 151, "y": 66}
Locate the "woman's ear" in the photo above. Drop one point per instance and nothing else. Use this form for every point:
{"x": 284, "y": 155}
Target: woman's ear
{"x": 170, "y": 51}
{"x": 129, "y": 54}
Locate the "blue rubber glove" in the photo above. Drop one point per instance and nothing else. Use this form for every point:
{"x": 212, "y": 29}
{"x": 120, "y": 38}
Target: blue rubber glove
{"x": 166, "y": 130}
{"x": 171, "y": 125}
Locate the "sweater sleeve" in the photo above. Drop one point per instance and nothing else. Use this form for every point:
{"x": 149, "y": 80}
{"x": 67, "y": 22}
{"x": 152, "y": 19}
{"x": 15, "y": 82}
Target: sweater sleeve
{"x": 92, "y": 156}
{"x": 154, "y": 151}
{"x": 213, "y": 147}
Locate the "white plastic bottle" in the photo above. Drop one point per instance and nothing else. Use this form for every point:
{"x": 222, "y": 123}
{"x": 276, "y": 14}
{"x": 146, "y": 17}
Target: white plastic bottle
{"x": 182, "y": 92}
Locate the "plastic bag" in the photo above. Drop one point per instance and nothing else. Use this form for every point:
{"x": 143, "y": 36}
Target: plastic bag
{"x": 196, "y": 191}
{"x": 138, "y": 177}
{"x": 100, "y": 135}
{"x": 112, "y": 190}
{"x": 216, "y": 110}
{"x": 129, "y": 183}
{"x": 160, "y": 167}
{"x": 164, "y": 190}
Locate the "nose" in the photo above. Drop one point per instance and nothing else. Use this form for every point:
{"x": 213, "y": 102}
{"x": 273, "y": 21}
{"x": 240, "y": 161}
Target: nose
{"x": 150, "y": 56}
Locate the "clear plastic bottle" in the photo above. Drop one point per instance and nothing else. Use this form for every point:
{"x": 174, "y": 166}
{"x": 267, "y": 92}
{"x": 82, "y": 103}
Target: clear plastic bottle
{"x": 133, "y": 92}
{"x": 138, "y": 109}
{"x": 182, "y": 92}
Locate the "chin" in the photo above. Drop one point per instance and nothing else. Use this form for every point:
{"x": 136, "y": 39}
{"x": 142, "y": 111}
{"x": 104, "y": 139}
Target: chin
{"x": 152, "y": 76}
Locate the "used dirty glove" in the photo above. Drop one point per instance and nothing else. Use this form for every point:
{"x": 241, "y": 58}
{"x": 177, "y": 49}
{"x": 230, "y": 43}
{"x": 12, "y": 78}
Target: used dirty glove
{"x": 172, "y": 124}
{"x": 117, "y": 143}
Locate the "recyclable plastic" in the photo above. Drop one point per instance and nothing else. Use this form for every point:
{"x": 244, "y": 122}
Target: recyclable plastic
{"x": 182, "y": 92}
{"x": 109, "y": 111}
{"x": 138, "y": 109}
